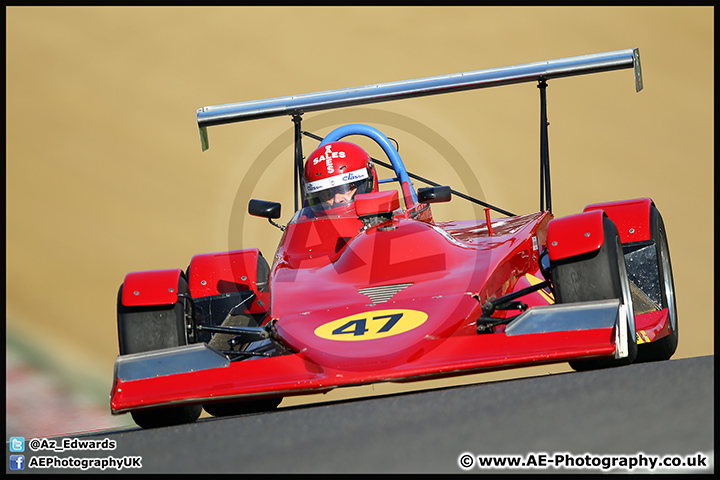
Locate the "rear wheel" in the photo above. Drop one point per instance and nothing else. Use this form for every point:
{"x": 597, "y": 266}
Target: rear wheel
{"x": 599, "y": 275}
{"x": 145, "y": 328}
{"x": 665, "y": 347}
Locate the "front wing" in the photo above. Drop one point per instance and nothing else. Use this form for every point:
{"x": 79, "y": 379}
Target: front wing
{"x": 198, "y": 374}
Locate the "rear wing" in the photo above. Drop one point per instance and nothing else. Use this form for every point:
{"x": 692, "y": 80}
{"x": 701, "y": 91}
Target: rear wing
{"x": 383, "y": 92}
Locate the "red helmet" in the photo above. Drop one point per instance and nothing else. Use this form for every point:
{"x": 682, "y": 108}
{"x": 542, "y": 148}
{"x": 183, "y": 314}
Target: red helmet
{"x": 336, "y": 172}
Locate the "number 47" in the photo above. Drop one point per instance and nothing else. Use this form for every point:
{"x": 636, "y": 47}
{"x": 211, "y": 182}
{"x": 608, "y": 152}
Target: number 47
{"x": 359, "y": 326}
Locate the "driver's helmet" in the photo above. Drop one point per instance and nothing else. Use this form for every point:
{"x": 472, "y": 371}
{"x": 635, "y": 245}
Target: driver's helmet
{"x": 335, "y": 173}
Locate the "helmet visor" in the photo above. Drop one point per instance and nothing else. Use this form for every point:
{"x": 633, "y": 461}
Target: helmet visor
{"x": 324, "y": 190}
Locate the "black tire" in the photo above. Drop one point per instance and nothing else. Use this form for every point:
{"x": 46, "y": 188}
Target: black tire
{"x": 141, "y": 329}
{"x": 145, "y": 328}
{"x": 227, "y": 409}
{"x": 168, "y": 416}
{"x": 599, "y": 275}
{"x": 665, "y": 347}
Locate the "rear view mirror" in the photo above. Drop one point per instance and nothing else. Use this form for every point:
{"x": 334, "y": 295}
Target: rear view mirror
{"x": 265, "y": 209}
{"x": 434, "y": 194}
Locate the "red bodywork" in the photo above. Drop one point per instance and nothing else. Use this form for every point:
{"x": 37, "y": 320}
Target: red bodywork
{"x": 398, "y": 301}
{"x": 631, "y": 217}
{"x": 217, "y": 273}
{"x": 155, "y": 287}
{"x": 300, "y": 373}
{"x": 575, "y": 235}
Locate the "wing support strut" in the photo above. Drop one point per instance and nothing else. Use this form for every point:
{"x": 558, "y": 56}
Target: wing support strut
{"x": 299, "y": 184}
{"x": 544, "y": 150}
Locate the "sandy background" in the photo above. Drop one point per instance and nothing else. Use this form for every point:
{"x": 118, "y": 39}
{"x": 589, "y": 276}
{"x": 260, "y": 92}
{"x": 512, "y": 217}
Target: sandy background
{"x": 105, "y": 174}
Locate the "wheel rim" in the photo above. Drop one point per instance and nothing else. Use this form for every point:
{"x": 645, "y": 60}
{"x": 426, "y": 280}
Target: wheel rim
{"x": 667, "y": 281}
{"x": 627, "y": 296}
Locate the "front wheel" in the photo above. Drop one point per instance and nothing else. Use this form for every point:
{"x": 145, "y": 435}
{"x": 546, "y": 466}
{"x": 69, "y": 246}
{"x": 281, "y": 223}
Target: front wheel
{"x": 167, "y": 416}
{"x": 599, "y": 275}
{"x": 141, "y": 329}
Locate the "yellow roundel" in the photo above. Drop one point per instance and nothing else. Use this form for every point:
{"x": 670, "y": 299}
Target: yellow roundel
{"x": 371, "y": 325}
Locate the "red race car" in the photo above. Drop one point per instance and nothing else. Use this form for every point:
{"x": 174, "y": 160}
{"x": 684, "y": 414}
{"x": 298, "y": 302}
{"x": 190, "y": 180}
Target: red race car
{"x": 366, "y": 287}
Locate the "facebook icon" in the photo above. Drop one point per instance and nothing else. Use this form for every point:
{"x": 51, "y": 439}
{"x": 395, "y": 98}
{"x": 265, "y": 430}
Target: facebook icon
{"x": 17, "y": 462}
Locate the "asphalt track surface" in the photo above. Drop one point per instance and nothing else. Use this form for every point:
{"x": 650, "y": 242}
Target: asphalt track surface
{"x": 664, "y": 408}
